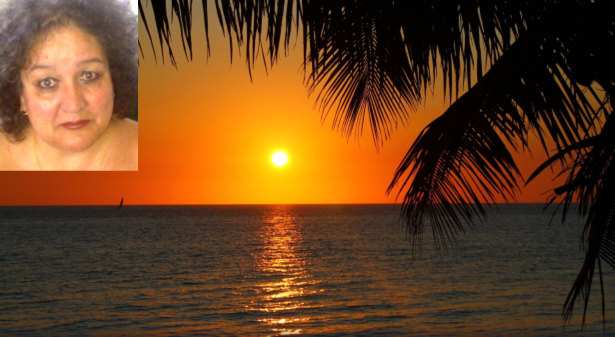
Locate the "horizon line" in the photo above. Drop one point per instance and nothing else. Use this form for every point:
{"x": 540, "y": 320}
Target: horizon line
{"x": 255, "y": 204}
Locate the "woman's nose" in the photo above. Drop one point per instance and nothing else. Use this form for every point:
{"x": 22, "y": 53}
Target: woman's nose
{"x": 73, "y": 99}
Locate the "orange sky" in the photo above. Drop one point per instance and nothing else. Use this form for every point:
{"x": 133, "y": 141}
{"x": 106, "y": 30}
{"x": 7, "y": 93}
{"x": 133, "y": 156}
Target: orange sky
{"x": 207, "y": 134}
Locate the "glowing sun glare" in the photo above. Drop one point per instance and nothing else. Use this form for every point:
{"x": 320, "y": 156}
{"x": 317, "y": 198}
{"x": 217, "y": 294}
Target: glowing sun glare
{"x": 279, "y": 158}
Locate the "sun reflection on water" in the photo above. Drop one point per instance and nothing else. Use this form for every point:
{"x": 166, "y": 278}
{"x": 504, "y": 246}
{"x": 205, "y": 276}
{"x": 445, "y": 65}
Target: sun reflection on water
{"x": 281, "y": 268}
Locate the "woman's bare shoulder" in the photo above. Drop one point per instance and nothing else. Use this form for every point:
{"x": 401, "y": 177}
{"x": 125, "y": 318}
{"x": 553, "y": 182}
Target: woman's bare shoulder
{"x": 127, "y": 145}
{"x": 5, "y": 153}
{"x": 11, "y": 154}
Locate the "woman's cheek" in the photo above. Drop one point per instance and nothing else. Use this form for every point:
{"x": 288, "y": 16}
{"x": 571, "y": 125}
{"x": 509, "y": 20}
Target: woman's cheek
{"x": 102, "y": 97}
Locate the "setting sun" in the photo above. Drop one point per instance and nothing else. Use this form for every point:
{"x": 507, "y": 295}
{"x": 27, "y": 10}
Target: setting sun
{"x": 279, "y": 158}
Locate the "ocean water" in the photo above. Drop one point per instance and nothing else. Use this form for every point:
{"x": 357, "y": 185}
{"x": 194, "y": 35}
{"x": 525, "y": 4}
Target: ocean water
{"x": 286, "y": 269}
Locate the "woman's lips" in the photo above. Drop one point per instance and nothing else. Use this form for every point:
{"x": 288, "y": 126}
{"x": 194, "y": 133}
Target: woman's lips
{"x": 75, "y": 125}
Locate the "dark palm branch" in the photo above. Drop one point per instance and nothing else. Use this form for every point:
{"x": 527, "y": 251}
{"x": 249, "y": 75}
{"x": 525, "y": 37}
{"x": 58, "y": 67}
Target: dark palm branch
{"x": 371, "y": 60}
{"x": 359, "y": 64}
{"x": 243, "y": 21}
{"x": 540, "y": 78}
{"x": 460, "y": 159}
{"x": 591, "y": 181}
{"x": 593, "y": 175}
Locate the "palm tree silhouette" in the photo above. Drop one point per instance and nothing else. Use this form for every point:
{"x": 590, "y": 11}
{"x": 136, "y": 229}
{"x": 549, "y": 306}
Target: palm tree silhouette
{"x": 539, "y": 67}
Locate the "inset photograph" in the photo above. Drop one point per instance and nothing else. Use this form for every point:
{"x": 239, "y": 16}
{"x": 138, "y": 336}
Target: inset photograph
{"x": 68, "y": 86}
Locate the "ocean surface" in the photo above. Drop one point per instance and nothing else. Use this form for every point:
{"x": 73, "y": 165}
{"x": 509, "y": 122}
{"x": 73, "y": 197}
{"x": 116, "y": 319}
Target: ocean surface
{"x": 286, "y": 269}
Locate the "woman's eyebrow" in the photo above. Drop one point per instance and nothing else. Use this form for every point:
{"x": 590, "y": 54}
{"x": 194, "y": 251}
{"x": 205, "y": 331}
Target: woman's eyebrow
{"x": 50, "y": 67}
{"x": 40, "y": 66}
{"x": 92, "y": 60}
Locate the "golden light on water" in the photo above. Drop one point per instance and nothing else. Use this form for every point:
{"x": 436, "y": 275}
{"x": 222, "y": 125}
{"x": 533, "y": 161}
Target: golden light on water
{"x": 281, "y": 261}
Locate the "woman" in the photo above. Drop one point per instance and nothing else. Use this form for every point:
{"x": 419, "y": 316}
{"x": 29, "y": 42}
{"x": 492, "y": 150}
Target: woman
{"x": 68, "y": 80}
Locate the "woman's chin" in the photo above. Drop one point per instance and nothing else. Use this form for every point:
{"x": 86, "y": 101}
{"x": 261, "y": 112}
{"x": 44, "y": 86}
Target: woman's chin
{"x": 76, "y": 144}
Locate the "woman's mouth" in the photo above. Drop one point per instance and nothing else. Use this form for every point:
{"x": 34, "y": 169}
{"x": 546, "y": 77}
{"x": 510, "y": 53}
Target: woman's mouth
{"x": 75, "y": 125}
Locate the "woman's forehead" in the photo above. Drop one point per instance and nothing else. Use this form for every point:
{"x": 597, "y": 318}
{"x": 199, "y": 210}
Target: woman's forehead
{"x": 67, "y": 43}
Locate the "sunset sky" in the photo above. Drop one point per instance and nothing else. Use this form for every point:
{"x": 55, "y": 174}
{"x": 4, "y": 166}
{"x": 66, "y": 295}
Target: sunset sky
{"x": 207, "y": 134}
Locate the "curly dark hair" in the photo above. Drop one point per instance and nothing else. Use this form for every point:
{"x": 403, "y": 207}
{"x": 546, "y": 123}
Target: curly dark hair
{"x": 24, "y": 22}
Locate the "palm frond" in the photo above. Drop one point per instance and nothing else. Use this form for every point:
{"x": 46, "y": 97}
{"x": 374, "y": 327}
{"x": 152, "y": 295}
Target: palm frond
{"x": 458, "y": 32}
{"x": 591, "y": 182}
{"x": 525, "y": 89}
{"x": 588, "y": 60}
{"x": 183, "y": 11}
{"x": 206, "y": 22}
{"x": 359, "y": 62}
{"x": 141, "y": 49}
{"x": 142, "y": 16}
{"x": 245, "y": 22}
{"x": 373, "y": 61}
{"x": 599, "y": 231}
{"x": 163, "y": 27}
{"x": 374, "y": 58}
{"x": 458, "y": 161}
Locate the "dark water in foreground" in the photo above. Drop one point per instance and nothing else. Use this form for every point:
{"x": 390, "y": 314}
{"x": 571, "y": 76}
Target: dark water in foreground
{"x": 276, "y": 270}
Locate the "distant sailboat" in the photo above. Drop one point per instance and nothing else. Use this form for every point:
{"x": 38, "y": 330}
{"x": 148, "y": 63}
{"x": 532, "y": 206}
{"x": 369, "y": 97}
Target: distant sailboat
{"x": 121, "y": 203}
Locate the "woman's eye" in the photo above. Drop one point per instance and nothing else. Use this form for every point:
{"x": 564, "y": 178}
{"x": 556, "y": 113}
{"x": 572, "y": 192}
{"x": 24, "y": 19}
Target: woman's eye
{"x": 48, "y": 83}
{"x": 89, "y": 76}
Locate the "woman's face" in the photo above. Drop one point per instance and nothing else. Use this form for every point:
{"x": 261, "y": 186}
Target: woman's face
{"x": 67, "y": 89}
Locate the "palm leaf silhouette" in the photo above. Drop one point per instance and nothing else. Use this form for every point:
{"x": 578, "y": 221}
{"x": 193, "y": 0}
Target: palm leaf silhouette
{"x": 591, "y": 180}
{"x": 461, "y": 152}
